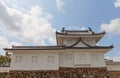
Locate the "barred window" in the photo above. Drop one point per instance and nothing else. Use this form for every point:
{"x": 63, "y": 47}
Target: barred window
{"x": 18, "y": 59}
{"x": 82, "y": 56}
{"x": 68, "y": 56}
{"x": 51, "y": 59}
{"x": 34, "y": 59}
{"x": 95, "y": 57}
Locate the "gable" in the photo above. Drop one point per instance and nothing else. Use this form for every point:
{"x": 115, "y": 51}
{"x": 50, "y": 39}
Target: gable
{"x": 80, "y": 43}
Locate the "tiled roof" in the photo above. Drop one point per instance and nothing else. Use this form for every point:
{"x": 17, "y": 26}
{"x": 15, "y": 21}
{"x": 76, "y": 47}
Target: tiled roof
{"x": 92, "y": 47}
{"x": 38, "y": 47}
{"x": 54, "y": 47}
{"x": 113, "y": 63}
{"x": 79, "y": 32}
{"x": 86, "y": 34}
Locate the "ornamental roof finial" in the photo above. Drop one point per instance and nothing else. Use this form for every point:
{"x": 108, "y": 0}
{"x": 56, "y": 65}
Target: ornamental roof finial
{"x": 63, "y": 29}
{"x": 90, "y": 29}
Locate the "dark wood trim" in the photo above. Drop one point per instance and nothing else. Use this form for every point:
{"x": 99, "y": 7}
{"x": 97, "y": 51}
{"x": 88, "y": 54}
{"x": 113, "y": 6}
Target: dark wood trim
{"x": 56, "y": 47}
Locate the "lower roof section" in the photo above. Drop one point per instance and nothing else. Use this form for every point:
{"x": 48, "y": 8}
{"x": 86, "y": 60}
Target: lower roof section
{"x": 55, "y": 47}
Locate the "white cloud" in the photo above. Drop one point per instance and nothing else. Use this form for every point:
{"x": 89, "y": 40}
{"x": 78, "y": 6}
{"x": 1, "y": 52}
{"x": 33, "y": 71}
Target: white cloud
{"x": 60, "y": 4}
{"x": 113, "y": 27}
{"x": 5, "y": 43}
{"x": 117, "y": 3}
{"x": 15, "y": 44}
{"x": 32, "y": 24}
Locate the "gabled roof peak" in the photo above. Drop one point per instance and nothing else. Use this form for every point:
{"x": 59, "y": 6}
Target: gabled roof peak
{"x": 80, "y": 40}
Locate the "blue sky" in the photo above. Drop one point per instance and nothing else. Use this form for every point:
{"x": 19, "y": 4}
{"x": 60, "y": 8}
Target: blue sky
{"x": 33, "y": 22}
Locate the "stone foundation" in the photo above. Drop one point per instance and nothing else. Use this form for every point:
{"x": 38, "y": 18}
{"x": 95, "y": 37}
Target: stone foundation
{"x": 63, "y": 73}
{"x": 83, "y": 72}
{"x": 33, "y": 74}
{"x": 114, "y": 74}
{"x": 3, "y": 74}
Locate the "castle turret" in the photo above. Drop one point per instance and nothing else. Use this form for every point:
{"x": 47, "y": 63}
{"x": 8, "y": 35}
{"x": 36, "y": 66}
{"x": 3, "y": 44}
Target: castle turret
{"x": 78, "y": 38}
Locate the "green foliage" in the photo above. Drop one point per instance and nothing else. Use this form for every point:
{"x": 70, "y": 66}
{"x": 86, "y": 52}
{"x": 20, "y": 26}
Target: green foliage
{"x": 5, "y": 60}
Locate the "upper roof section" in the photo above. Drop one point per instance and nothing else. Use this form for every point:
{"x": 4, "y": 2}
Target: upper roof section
{"x": 88, "y": 32}
{"x": 67, "y": 40}
{"x": 60, "y": 36}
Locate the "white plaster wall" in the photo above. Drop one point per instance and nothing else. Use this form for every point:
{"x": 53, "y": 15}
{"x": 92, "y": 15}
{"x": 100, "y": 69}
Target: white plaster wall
{"x": 87, "y": 62}
{"x": 4, "y": 69}
{"x": 64, "y": 62}
{"x": 78, "y": 61}
{"x": 60, "y": 59}
{"x": 80, "y": 44}
{"x": 41, "y": 64}
{"x": 98, "y": 63}
{"x": 113, "y": 67}
{"x": 90, "y": 42}
{"x": 69, "y": 42}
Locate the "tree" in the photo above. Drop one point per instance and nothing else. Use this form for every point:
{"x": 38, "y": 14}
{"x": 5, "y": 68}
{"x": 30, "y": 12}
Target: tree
{"x": 5, "y": 60}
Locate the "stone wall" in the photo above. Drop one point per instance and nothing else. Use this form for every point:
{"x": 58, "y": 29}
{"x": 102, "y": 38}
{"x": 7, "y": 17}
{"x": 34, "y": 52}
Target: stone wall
{"x": 63, "y": 73}
{"x": 114, "y": 74}
{"x": 83, "y": 72}
{"x": 33, "y": 74}
{"x": 3, "y": 74}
